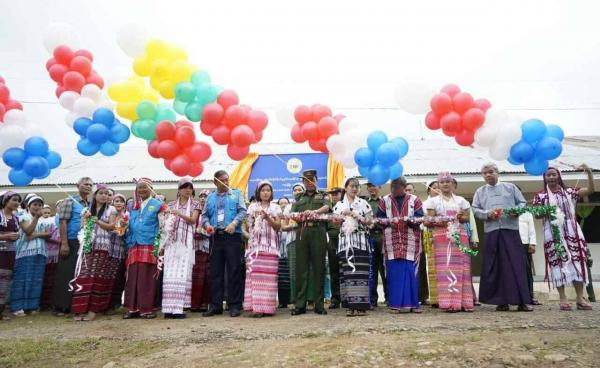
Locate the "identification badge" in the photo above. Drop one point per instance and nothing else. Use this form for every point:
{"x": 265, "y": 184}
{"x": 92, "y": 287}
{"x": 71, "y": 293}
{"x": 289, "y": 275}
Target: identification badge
{"x": 220, "y": 216}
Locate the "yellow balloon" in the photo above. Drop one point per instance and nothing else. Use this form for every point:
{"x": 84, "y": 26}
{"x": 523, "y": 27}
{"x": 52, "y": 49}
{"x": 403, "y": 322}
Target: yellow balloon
{"x": 115, "y": 91}
{"x": 161, "y": 70}
{"x": 167, "y": 90}
{"x": 181, "y": 71}
{"x": 156, "y": 49}
{"x": 150, "y": 95}
{"x": 142, "y": 67}
{"x": 127, "y": 110}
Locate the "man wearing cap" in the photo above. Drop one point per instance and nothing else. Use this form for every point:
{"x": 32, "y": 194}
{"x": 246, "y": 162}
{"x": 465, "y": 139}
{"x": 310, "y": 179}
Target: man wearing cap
{"x": 375, "y": 234}
{"x": 69, "y": 214}
{"x": 224, "y": 212}
{"x": 333, "y": 232}
{"x": 311, "y": 244}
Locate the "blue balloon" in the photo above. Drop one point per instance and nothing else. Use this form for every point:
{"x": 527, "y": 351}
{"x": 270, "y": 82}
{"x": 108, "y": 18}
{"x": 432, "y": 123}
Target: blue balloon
{"x": 45, "y": 175}
{"x": 200, "y": 77}
{"x": 376, "y": 139}
{"x": 521, "y": 152}
{"x": 35, "y": 166}
{"x": 36, "y": 146}
{"x": 109, "y": 149}
{"x": 535, "y": 166}
{"x": 512, "y": 161}
{"x": 14, "y": 157}
{"x": 533, "y": 130}
{"x": 396, "y": 171}
{"x": 364, "y": 157}
{"x": 98, "y": 133}
{"x": 555, "y": 131}
{"x": 87, "y": 148}
{"x": 104, "y": 116}
{"x": 387, "y": 154}
{"x": 402, "y": 145}
{"x": 81, "y": 125}
{"x": 54, "y": 160}
{"x": 19, "y": 177}
{"x": 119, "y": 133}
{"x": 364, "y": 171}
{"x": 548, "y": 148}
{"x": 378, "y": 175}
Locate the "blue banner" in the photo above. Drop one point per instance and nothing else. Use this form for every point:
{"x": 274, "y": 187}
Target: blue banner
{"x": 283, "y": 171}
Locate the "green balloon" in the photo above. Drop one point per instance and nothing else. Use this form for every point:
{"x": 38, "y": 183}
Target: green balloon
{"x": 145, "y": 110}
{"x": 146, "y": 129}
{"x": 179, "y": 107}
{"x": 193, "y": 111}
{"x": 185, "y": 92}
{"x": 200, "y": 77}
{"x": 135, "y": 129}
{"x": 165, "y": 112}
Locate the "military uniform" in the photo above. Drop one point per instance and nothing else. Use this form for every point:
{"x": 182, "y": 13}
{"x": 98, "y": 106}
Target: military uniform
{"x": 377, "y": 255}
{"x": 311, "y": 246}
{"x": 333, "y": 231}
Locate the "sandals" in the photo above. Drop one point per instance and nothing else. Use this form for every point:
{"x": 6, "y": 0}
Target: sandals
{"x": 19, "y": 313}
{"x": 535, "y": 302}
{"x": 416, "y": 310}
{"x": 150, "y": 315}
{"x": 524, "y": 308}
{"x": 565, "y": 307}
{"x": 582, "y": 306}
{"x": 361, "y": 313}
{"x": 350, "y": 313}
{"x": 131, "y": 315}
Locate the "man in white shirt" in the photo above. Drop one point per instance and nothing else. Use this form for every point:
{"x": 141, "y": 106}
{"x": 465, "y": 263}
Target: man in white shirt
{"x": 529, "y": 240}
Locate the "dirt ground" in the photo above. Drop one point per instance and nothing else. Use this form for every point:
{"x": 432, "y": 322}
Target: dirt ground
{"x": 485, "y": 338}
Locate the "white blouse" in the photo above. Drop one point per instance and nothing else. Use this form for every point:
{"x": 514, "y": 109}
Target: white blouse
{"x": 353, "y": 234}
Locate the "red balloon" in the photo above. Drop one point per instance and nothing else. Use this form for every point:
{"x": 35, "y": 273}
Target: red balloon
{"x": 4, "y": 93}
{"x": 185, "y": 136}
{"x": 49, "y": 63}
{"x": 482, "y": 104}
{"x": 96, "y": 79}
{"x": 319, "y": 144}
{"x": 153, "y": 149}
{"x": 450, "y": 89}
{"x": 63, "y": 54}
{"x": 81, "y": 64}
{"x": 327, "y": 126}
{"x": 196, "y": 169}
{"x": 473, "y": 118}
{"x": 207, "y": 127}
{"x": 303, "y": 114}
{"x": 182, "y": 123}
{"x": 257, "y": 137}
{"x": 310, "y": 130}
{"x": 213, "y": 113}
{"x": 2, "y": 80}
{"x": 441, "y": 104}
{"x": 2, "y": 111}
{"x": 465, "y": 137}
{"x": 242, "y": 135}
{"x": 235, "y": 115}
{"x": 167, "y": 164}
{"x": 319, "y": 112}
{"x": 237, "y": 153}
{"x": 57, "y": 72}
{"x": 461, "y": 102}
{"x": 13, "y": 104}
{"x": 227, "y": 98}
{"x": 85, "y": 53}
{"x": 450, "y": 123}
{"x": 180, "y": 165}
{"x": 257, "y": 120}
{"x": 59, "y": 91}
{"x": 221, "y": 134}
{"x": 246, "y": 108}
{"x": 339, "y": 117}
{"x": 73, "y": 81}
{"x": 199, "y": 152}
{"x": 432, "y": 121}
{"x": 165, "y": 130}
{"x": 168, "y": 149}
{"x": 297, "y": 135}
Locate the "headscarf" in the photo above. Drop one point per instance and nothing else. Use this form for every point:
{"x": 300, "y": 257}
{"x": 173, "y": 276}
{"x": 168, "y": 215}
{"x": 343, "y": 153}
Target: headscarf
{"x": 119, "y": 195}
{"x": 136, "y": 198}
{"x": 6, "y": 196}
{"x": 205, "y": 192}
{"x": 34, "y": 197}
{"x": 261, "y": 184}
{"x": 184, "y": 181}
{"x": 444, "y": 175}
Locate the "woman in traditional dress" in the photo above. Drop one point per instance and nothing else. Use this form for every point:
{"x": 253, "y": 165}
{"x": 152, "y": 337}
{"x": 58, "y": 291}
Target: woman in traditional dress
{"x": 426, "y": 234}
{"x": 30, "y": 260}
{"x": 453, "y": 267}
{"x": 52, "y": 249}
{"x": 119, "y": 202}
{"x": 353, "y": 249}
{"x": 9, "y": 233}
{"x": 96, "y": 270}
{"x": 283, "y": 271}
{"x": 262, "y": 255}
{"x": 571, "y": 267}
{"x": 179, "y": 251}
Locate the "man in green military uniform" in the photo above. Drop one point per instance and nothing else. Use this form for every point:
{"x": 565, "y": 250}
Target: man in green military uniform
{"x": 333, "y": 231}
{"x": 311, "y": 243}
{"x": 377, "y": 258}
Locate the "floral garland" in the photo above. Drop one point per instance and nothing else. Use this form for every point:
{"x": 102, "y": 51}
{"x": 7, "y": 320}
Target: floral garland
{"x": 454, "y": 236}
{"x": 313, "y": 217}
{"x": 88, "y": 231}
{"x": 556, "y": 219}
{"x": 156, "y": 244}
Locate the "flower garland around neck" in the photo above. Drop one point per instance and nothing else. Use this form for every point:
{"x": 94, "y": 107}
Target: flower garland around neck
{"x": 88, "y": 234}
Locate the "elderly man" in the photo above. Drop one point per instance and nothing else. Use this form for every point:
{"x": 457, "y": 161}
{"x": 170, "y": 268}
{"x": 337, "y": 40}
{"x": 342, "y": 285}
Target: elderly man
{"x": 503, "y": 273}
{"x": 69, "y": 214}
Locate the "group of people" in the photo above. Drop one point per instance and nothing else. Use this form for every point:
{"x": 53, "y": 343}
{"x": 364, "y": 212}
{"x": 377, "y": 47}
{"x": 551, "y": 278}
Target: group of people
{"x": 102, "y": 249}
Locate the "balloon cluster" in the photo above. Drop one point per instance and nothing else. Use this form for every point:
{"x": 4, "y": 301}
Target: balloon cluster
{"x": 380, "y": 160}
{"x": 234, "y": 125}
{"x": 457, "y": 114}
{"x": 71, "y": 70}
{"x": 103, "y": 133}
{"x": 176, "y": 143}
{"x": 315, "y": 124}
{"x": 149, "y": 117}
{"x": 129, "y": 94}
{"x": 499, "y": 132}
{"x": 83, "y": 104}
{"x": 539, "y": 143}
{"x": 33, "y": 161}
{"x": 165, "y": 64}
{"x": 6, "y": 102}
{"x": 192, "y": 96}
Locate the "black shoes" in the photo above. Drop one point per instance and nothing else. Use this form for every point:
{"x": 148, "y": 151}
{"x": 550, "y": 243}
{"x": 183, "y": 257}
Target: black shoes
{"x": 334, "y": 305}
{"x": 298, "y": 311}
{"x": 234, "y": 313}
{"x": 321, "y": 311}
{"x": 212, "y": 312}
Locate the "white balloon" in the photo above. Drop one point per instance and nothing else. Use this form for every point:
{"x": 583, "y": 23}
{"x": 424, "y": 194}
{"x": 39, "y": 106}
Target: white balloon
{"x": 33, "y": 130}
{"x": 107, "y": 104}
{"x": 348, "y": 125}
{"x": 12, "y": 136}
{"x": 347, "y": 160}
{"x": 335, "y": 145}
{"x": 14, "y": 117}
{"x": 496, "y": 117}
{"x": 70, "y": 119}
{"x": 414, "y": 97}
{"x": 509, "y": 134}
{"x": 84, "y": 107}
{"x": 92, "y": 92}
{"x": 132, "y": 39}
{"x": 485, "y": 136}
{"x": 499, "y": 151}
{"x": 67, "y": 99}
{"x": 61, "y": 34}
{"x": 354, "y": 140}
{"x": 285, "y": 116}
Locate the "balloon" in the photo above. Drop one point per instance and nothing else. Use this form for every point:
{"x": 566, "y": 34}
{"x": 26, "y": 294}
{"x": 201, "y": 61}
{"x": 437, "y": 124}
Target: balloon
{"x": 60, "y": 34}
{"x": 67, "y": 99}
{"x": 109, "y": 148}
{"x": 199, "y": 151}
{"x": 132, "y": 39}
{"x": 327, "y": 126}
{"x": 14, "y": 117}
{"x": 364, "y": 157}
{"x": 167, "y": 149}
{"x": 258, "y": 120}
{"x": 302, "y": 114}
{"x": 104, "y": 116}
{"x": 461, "y": 102}
{"x": 35, "y": 166}
{"x": 548, "y": 148}
{"x": 473, "y": 118}
{"x": 81, "y": 125}
{"x": 401, "y": 145}
{"x": 413, "y": 97}
{"x": 535, "y": 166}
{"x": 221, "y": 134}
{"x": 70, "y": 119}
{"x": 237, "y": 153}
{"x": 153, "y": 149}
{"x": 73, "y": 81}
{"x": 396, "y": 171}
{"x": 94, "y": 78}
{"x": 14, "y": 157}
{"x": 450, "y": 123}
{"x": 36, "y": 146}
{"x": 200, "y": 77}
{"x": 378, "y": 175}
{"x": 347, "y": 125}
{"x": 257, "y": 137}
{"x": 533, "y": 130}
{"x": 145, "y": 110}
{"x": 513, "y": 161}
{"x": 13, "y": 105}
{"x": 193, "y": 111}
{"x": 19, "y": 177}
{"x": 364, "y": 171}
{"x": 376, "y": 139}
{"x": 185, "y": 92}
{"x": 54, "y": 160}
{"x": 387, "y": 154}
{"x": 180, "y": 165}
{"x": 87, "y": 148}
{"x": 213, "y": 113}
{"x": 97, "y": 133}
{"x": 319, "y": 112}
{"x": 450, "y": 89}
{"x": 185, "y": 136}
{"x": 82, "y": 65}
{"x": 227, "y": 98}
{"x": 310, "y": 130}
{"x": 196, "y": 169}
{"x": 57, "y": 72}
{"x": 235, "y": 115}
{"x": 499, "y": 151}
{"x": 318, "y": 144}
{"x": 119, "y": 133}
{"x": 482, "y": 104}
{"x": 285, "y": 116}
{"x": 165, "y": 130}
{"x": 555, "y": 131}
{"x": 242, "y": 135}
{"x": 432, "y": 121}
{"x": 521, "y": 152}
{"x": 83, "y": 106}
{"x": 465, "y": 137}
{"x": 297, "y": 135}
{"x": 179, "y": 106}
{"x": 63, "y": 54}
{"x": 441, "y": 104}
{"x": 207, "y": 128}
{"x": 335, "y": 145}
{"x": 85, "y": 53}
